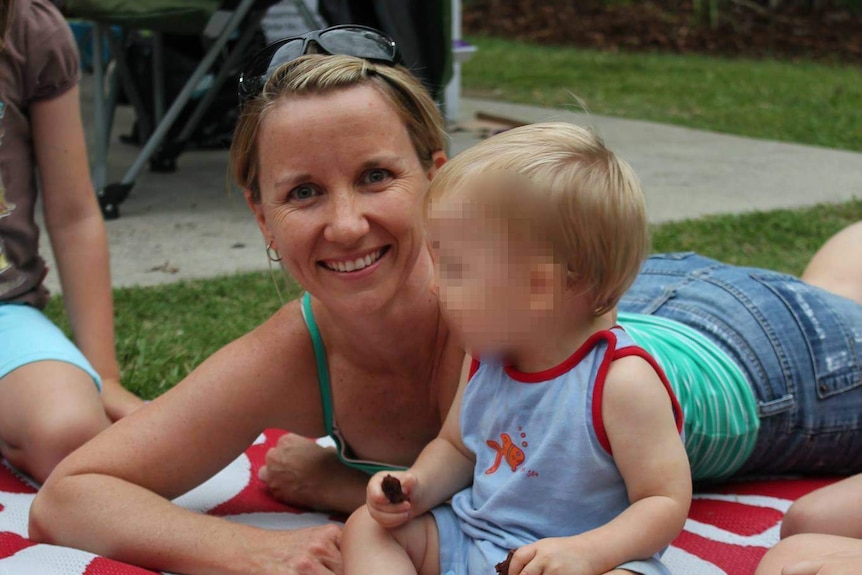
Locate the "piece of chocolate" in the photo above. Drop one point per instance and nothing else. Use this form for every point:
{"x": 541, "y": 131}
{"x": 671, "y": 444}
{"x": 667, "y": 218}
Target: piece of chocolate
{"x": 503, "y": 566}
{"x": 392, "y": 489}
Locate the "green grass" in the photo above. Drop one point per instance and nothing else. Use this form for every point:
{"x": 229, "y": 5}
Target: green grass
{"x": 781, "y": 240}
{"x": 801, "y": 102}
{"x": 164, "y": 332}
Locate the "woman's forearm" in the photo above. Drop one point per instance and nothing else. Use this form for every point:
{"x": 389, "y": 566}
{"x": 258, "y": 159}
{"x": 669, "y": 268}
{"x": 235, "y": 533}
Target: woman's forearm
{"x": 128, "y": 523}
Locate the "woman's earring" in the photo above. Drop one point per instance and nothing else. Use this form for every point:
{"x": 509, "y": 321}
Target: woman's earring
{"x": 270, "y": 250}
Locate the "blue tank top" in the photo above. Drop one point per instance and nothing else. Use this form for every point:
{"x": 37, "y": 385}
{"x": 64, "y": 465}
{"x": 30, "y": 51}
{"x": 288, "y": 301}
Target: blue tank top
{"x": 543, "y": 461}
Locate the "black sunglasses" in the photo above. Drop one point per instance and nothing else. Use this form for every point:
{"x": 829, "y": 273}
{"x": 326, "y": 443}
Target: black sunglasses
{"x": 348, "y": 40}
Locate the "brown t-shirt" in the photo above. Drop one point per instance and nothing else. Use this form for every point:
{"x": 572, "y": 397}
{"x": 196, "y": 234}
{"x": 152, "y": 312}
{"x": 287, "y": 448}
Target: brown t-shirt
{"x": 39, "y": 62}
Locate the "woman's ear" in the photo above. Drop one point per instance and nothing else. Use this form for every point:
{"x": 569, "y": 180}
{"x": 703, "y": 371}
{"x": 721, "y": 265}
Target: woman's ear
{"x": 438, "y": 158}
{"x": 257, "y": 209}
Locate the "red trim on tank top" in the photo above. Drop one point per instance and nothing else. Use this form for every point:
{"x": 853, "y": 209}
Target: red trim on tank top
{"x": 474, "y": 367}
{"x": 566, "y": 366}
{"x": 598, "y": 393}
{"x": 598, "y": 390}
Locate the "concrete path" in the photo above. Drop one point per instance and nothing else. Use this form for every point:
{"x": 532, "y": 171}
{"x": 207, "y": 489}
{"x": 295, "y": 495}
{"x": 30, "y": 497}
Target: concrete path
{"x": 187, "y": 225}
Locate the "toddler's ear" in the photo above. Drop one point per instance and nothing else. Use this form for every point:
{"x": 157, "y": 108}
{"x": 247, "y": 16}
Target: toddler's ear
{"x": 544, "y": 278}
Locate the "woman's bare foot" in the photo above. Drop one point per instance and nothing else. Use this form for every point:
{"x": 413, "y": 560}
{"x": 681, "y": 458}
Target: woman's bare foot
{"x": 300, "y": 472}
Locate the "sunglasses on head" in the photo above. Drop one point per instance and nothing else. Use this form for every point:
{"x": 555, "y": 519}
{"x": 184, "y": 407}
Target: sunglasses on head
{"x": 346, "y": 40}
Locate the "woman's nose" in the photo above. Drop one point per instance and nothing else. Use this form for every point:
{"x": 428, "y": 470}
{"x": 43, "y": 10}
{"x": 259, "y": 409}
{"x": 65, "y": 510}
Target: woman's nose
{"x": 347, "y": 223}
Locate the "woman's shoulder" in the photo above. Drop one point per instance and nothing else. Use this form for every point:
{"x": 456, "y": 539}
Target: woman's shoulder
{"x": 275, "y": 364}
{"x": 284, "y": 336}
{"x": 277, "y": 351}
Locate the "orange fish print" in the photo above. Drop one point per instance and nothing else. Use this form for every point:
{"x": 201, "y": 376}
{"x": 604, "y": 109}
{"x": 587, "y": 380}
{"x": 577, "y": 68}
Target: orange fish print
{"x": 513, "y": 454}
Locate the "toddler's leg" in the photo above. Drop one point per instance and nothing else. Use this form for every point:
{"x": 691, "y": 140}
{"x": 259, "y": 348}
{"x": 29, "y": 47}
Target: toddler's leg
{"x": 47, "y": 410}
{"x": 369, "y": 548}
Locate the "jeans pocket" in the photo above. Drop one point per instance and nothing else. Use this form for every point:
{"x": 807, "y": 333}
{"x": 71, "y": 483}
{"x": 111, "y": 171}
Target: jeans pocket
{"x": 661, "y": 275}
{"x": 831, "y": 346}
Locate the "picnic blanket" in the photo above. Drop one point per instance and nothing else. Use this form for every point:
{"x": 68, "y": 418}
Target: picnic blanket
{"x": 727, "y": 532}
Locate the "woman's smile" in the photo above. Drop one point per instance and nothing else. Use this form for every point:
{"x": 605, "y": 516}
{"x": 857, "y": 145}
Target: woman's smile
{"x": 355, "y": 263}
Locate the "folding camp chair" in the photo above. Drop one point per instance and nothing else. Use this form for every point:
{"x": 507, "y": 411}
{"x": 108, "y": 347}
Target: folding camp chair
{"x": 218, "y": 21}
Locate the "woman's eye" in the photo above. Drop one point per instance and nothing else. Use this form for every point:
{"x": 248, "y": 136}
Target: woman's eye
{"x": 303, "y": 192}
{"x": 376, "y": 176}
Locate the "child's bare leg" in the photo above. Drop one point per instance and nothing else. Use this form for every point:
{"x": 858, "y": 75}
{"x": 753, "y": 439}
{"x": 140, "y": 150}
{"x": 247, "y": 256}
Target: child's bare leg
{"x": 369, "y": 548}
{"x": 837, "y": 266}
{"x": 809, "y": 547}
{"x": 835, "y": 510}
{"x": 47, "y": 410}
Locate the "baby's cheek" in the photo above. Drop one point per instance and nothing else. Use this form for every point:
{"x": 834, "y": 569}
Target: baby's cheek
{"x": 470, "y": 320}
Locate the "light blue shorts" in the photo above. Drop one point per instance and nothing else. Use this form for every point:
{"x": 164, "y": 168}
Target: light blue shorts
{"x": 799, "y": 346}
{"x": 27, "y": 336}
{"x": 462, "y": 555}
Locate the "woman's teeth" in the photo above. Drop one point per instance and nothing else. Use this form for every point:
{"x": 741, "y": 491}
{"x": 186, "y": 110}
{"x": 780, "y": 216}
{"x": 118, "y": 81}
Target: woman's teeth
{"x": 354, "y": 265}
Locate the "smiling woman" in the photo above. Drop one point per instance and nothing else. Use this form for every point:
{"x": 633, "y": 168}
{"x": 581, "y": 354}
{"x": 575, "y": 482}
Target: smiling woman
{"x": 335, "y": 155}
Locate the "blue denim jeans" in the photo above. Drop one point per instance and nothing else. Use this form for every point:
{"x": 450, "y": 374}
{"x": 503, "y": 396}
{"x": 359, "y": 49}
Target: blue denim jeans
{"x": 799, "y": 346}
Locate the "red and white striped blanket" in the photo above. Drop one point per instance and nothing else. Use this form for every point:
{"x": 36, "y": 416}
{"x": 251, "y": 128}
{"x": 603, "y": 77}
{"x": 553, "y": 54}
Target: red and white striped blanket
{"x": 727, "y": 532}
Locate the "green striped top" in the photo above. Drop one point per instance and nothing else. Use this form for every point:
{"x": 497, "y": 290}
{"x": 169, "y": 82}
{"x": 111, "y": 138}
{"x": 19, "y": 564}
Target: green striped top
{"x": 718, "y": 404}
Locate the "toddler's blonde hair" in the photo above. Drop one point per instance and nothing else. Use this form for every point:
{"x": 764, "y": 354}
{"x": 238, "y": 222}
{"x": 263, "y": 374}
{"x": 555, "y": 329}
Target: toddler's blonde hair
{"x": 589, "y": 202}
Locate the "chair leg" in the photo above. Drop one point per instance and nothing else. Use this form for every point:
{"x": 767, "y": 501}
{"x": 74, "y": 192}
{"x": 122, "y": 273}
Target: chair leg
{"x": 100, "y": 156}
{"x": 182, "y": 98}
{"x": 237, "y": 53}
{"x": 145, "y": 120}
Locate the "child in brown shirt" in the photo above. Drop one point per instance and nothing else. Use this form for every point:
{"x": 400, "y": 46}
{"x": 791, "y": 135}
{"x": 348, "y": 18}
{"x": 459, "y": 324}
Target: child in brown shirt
{"x": 54, "y": 396}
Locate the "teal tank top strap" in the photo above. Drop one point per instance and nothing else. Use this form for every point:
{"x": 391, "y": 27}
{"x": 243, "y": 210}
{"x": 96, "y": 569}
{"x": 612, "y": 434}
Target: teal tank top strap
{"x": 320, "y": 360}
{"x": 324, "y": 382}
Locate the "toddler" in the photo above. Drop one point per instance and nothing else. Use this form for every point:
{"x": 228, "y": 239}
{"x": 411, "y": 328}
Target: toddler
{"x": 563, "y": 442}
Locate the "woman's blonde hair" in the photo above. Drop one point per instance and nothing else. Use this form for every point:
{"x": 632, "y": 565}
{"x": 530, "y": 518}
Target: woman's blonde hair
{"x": 320, "y": 74}
{"x": 589, "y": 202}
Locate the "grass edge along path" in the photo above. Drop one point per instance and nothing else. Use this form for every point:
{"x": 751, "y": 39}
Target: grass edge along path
{"x": 163, "y": 332}
{"x": 803, "y": 102}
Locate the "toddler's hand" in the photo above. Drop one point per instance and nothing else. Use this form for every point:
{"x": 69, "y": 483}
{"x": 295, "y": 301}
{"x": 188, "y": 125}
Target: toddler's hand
{"x": 553, "y": 556}
{"x": 383, "y": 511}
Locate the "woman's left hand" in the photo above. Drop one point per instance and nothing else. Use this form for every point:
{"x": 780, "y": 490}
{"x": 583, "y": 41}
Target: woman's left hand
{"x": 553, "y": 556}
